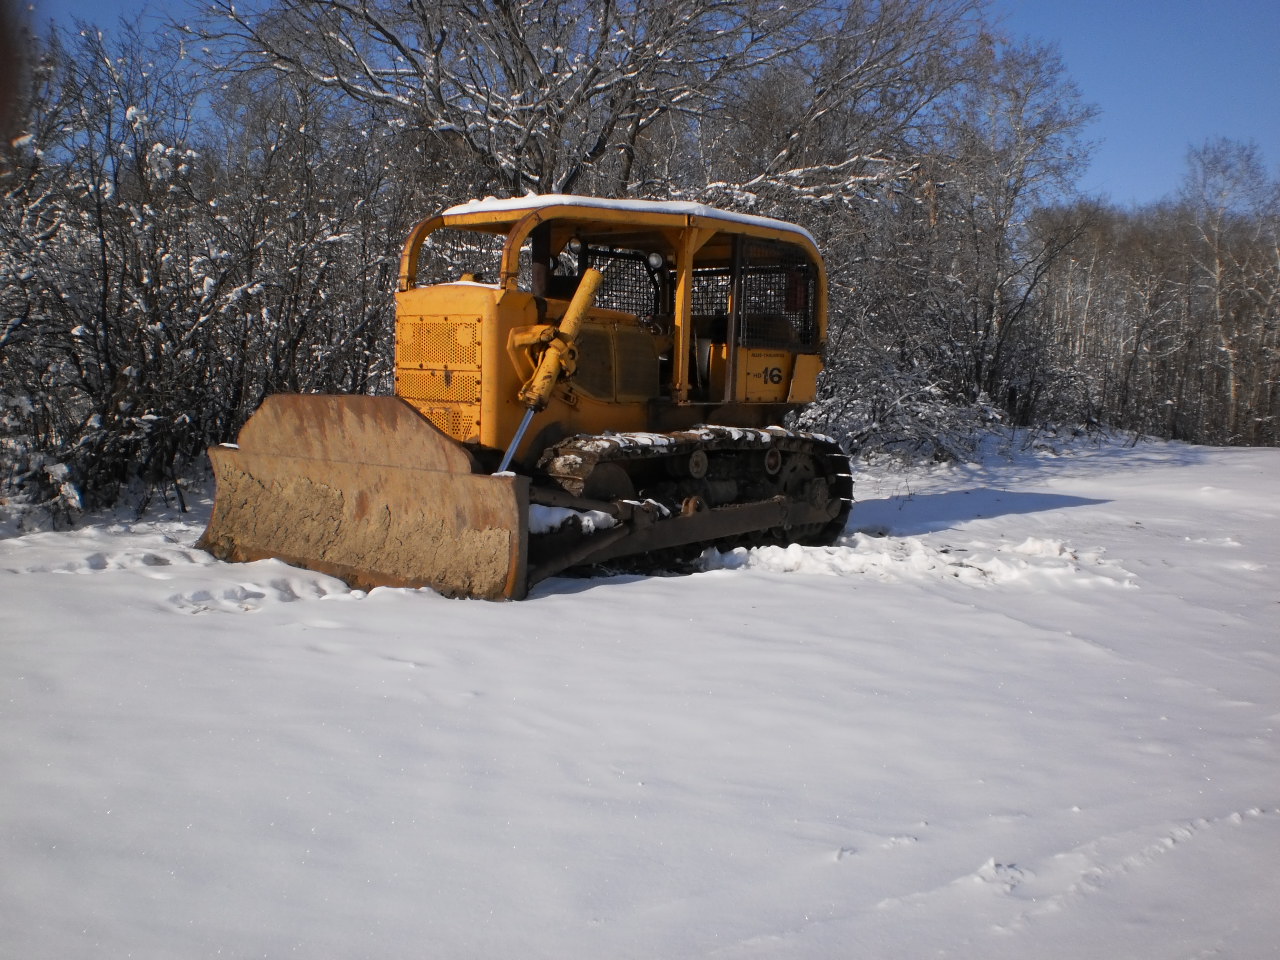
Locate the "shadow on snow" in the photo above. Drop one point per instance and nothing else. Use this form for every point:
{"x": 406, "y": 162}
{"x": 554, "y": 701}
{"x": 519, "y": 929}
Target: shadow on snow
{"x": 930, "y": 512}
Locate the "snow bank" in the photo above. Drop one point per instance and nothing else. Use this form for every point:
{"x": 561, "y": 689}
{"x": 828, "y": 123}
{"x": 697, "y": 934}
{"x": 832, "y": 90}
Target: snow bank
{"x": 1033, "y": 561}
{"x": 1023, "y": 709}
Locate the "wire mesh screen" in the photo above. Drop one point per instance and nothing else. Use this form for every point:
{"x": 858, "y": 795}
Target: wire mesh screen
{"x": 711, "y": 292}
{"x": 628, "y": 284}
{"x": 447, "y": 254}
{"x": 779, "y": 293}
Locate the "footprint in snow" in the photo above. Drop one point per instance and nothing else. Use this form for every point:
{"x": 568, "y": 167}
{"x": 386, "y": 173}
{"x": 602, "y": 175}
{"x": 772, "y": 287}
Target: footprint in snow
{"x": 1007, "y": 876}
{"x": 248, "y": 597}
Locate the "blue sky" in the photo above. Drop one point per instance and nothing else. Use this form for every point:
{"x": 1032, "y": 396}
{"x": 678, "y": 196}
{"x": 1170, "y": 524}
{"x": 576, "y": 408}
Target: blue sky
{"x": 1165, "y": 75}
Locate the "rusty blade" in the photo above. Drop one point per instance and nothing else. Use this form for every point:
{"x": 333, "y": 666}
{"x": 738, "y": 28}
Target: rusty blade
{"x": 366, "y": 489}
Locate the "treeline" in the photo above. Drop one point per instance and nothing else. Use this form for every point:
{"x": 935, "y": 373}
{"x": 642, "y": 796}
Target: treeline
{"x": 193, "y": 218}
{"x": 1168, "y": 315}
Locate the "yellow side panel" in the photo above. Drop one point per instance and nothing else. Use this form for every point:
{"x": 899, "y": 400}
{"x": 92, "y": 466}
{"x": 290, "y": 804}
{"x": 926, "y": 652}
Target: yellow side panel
{"x": 764, "y": 376}
{"x": 804, "y": 381}
{"x": 438, "y": 355}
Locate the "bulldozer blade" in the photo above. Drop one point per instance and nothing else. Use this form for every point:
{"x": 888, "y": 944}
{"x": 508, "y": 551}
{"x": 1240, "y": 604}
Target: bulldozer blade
{"x": 368, "y": 490}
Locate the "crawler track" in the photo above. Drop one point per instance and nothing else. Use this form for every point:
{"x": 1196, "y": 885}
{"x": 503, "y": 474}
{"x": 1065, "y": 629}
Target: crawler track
{"x": 770, "y": 486}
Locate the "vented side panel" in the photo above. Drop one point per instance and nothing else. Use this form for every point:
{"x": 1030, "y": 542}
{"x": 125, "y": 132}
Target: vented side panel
{"x": 453, "y": 421}
{"x": 449, "y": 386}
{"x": 438, "y": 370}
{"x": 434, "y": 343}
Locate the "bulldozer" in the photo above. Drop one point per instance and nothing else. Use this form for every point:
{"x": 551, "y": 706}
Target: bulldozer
{"x": 579, "y": 383}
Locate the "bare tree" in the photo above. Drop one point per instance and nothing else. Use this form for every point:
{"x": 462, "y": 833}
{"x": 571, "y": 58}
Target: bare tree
{"x": 1234, "y": 211}
{"x": 546, "y": 95}
{"x": 942, "y": 272}
{"x": 850, "y": 113}
{"x": 1168, "y": 312}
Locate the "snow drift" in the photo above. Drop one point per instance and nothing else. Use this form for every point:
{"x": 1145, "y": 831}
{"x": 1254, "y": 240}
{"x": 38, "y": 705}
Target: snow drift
{"x": 1025, "y": 709}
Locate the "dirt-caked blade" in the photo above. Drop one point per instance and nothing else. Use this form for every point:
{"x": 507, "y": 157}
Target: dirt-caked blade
{"x": 367, "y": 489}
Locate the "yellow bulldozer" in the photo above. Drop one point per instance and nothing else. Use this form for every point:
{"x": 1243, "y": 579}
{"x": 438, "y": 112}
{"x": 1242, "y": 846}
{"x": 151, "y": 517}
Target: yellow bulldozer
{"x": 578, "y": 382}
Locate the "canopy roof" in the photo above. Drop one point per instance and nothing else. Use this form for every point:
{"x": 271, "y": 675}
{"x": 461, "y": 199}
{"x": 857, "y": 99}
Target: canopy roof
{"x": 501, "y": 213}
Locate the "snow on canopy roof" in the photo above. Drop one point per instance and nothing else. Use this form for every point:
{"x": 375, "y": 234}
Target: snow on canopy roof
{"x": 683, "y": 208}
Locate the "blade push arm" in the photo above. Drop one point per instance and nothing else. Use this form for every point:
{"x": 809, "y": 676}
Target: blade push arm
{"x": 536, "y": 393}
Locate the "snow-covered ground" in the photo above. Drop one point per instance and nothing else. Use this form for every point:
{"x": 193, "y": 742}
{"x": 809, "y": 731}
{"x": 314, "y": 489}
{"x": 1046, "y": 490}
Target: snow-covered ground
{"x": 1023, "y": 710}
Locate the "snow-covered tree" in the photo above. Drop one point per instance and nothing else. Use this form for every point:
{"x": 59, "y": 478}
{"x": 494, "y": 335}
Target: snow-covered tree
{"x": 158, "y": 277}
{"x": 1168, "y": 313}
{"x": 542, "y": 95}
{"x": 935, "y": 274}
